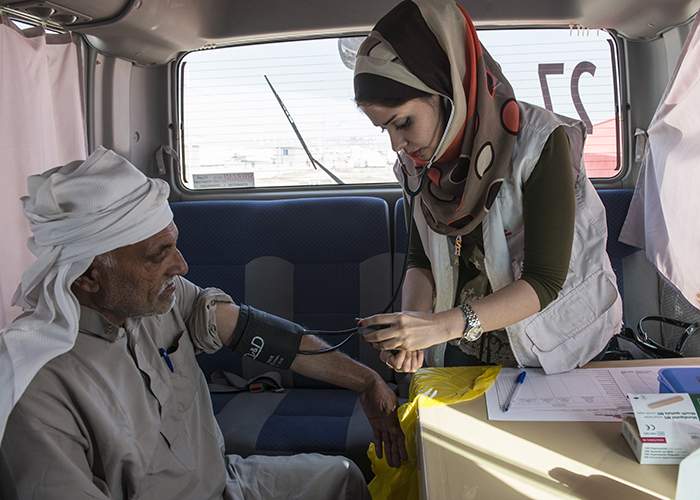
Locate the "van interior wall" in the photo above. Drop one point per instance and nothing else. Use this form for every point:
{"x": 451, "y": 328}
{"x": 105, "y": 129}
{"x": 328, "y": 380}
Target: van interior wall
{"x": 149, "y": 124}
{"x": 128, "y": 108}
{"x": 650, "y": 65}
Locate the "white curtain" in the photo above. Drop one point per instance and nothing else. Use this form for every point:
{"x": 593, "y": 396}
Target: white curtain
{"x": 41, "y": 126}
{"x": 664, "y": 216}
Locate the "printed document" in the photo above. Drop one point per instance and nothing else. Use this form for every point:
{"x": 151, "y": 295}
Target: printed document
{"x": 591, "y": 394}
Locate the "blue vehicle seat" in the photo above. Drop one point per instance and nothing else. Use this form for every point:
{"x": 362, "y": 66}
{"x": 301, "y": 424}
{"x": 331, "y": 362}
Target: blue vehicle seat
{"x": 321, "y": 262}
{"x": 617, "y": 202}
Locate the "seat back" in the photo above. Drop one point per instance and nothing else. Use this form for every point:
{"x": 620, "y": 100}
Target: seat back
{"x": 321, "y": 262}
{"x": 617, "y": 202}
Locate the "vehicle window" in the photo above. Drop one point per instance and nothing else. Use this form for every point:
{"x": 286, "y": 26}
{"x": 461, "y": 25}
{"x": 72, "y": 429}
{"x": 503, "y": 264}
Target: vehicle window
{"x": 236, "y": 134}
{"x": 27, "y": 25}
{"x": 20, "y": 24}
{"x": 570, "y": 72}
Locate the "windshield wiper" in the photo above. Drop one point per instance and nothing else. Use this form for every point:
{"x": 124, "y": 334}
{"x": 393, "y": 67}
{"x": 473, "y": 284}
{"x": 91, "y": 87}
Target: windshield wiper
{"x": 313, "y": 160}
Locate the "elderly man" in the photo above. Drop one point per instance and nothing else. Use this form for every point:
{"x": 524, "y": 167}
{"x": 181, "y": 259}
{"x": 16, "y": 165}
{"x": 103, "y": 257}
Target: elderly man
{"x": 100, "y": 383}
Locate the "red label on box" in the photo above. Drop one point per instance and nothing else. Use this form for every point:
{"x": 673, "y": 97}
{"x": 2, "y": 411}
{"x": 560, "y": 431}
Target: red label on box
{"x": 653, "y": 440}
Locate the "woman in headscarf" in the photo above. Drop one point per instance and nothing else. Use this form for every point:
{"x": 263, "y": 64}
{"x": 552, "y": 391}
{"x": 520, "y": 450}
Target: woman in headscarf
{"x": 507, "y": 260}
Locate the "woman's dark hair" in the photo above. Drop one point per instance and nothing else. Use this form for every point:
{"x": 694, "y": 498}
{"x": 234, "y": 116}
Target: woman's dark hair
{"x": 375, "y": 89}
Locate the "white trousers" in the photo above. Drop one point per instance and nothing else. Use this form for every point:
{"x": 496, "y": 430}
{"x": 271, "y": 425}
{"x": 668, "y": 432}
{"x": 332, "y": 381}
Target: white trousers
{"x": 307, "y": 476}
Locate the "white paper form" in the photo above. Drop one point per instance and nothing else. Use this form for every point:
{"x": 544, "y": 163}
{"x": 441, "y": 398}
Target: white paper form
{"x": 592, "y": 394}
{"x": 637, "y": 380}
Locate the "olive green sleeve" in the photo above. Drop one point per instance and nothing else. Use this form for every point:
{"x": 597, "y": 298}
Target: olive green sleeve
{"x": 416, "y": 254}
{"x": 549, "y": 208}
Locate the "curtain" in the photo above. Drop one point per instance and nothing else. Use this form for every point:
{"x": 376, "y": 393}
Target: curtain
{"x": 41, "y": 126}
{"x": 664, "y": 215}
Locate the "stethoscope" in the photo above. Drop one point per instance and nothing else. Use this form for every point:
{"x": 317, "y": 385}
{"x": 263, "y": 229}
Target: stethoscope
{"x": 411, "y": 194}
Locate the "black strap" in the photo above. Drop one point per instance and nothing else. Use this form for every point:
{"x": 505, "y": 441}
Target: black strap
{"x": 689, "y": 330}
{"x": 650, "y": 347}
{"x": 226, "y": 382}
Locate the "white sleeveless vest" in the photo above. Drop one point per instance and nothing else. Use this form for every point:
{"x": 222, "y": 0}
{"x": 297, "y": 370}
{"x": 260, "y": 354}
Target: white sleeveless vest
{"x": 578, "y": 324}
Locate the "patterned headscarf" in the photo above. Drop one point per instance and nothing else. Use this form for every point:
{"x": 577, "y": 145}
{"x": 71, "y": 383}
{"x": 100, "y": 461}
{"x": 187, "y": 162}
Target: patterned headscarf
{"x": 432, "y": 46}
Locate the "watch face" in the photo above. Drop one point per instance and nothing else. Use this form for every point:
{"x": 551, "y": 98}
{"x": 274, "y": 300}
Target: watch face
{"x": 473, "y": 334}
{"x": 472, "y": 327}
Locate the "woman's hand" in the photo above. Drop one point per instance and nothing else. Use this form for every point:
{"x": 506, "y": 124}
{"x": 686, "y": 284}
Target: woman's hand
{"x": 403, "y": 361}
{"x": 413, "y": 331}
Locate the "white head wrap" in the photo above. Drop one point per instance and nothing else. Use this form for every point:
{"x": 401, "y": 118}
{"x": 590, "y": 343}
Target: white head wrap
{"x": 76, "y": 212}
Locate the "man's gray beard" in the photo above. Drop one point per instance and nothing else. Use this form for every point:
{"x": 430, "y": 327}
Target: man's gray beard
{"x": 156, "y": 313}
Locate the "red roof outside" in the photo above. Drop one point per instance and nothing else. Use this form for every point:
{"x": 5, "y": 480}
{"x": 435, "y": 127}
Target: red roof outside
{"x": 600, "y": 154}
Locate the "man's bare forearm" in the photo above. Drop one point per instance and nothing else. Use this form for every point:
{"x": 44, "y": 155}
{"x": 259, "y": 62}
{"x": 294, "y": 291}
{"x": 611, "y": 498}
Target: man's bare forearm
{"x": 333, "y": 367}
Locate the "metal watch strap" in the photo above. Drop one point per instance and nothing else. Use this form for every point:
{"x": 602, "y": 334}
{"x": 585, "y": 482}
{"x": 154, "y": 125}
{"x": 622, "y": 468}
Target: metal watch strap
{"x": 472, "y": 325}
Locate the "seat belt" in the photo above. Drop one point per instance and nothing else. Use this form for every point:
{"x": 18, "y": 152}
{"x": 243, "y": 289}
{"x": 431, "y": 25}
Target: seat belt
{"x": 160, "y": 154}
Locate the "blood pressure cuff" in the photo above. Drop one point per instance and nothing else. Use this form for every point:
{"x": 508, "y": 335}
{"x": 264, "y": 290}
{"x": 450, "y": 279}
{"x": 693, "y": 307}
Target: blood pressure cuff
{"x": 266, "y": 337}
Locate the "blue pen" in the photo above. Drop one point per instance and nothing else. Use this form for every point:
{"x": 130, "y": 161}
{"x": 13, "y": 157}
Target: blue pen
{"x": 518, "y": 384}
{"x": 166, "y": 358}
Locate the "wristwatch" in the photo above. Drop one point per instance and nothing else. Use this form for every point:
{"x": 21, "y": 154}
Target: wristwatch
{"x": 472, "y": 325}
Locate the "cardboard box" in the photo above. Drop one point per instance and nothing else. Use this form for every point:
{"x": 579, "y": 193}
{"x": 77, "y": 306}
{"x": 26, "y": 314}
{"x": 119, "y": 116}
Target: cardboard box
{"x": 665, "y": 428}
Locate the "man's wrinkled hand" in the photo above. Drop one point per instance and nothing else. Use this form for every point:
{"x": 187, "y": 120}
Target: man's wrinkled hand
{"x": 403, "y": 361}
{"x": 379, "y": 403}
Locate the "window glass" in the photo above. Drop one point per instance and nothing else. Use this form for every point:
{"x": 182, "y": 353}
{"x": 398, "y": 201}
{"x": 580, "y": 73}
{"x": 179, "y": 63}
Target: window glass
{"x": 571, "y": 73}
{"x": 236, "y": 133}
{"x": 21, "y": 25}
{"x": 25, "y": 26}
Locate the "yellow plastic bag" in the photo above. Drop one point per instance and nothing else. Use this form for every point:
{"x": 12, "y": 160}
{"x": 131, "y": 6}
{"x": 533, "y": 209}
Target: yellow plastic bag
{"x": 429, "y": 387}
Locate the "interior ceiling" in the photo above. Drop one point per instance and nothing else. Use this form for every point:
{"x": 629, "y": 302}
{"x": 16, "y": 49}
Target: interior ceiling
{"x": 90, "y": 8}
{"x": 155, "y": 31}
